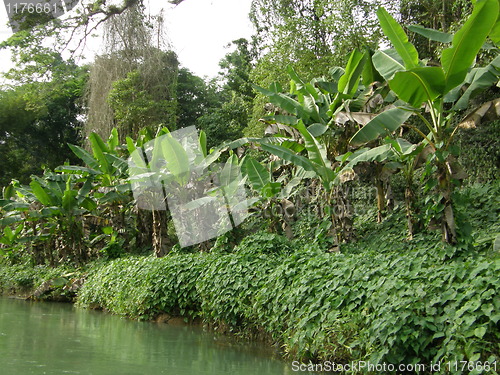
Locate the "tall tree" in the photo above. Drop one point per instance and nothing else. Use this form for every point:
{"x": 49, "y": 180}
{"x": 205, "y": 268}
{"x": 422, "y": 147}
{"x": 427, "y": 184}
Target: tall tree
{"x": 37, "y": 120}
{"x": 136, "y": 74}
{"x": 227, "y": 119}
{"x": 236, "y": 68}
{"x": 194, "y": 98}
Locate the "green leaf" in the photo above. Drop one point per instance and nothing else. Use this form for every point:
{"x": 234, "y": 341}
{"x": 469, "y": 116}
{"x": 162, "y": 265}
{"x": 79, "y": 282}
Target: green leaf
{"x": 69, "y": 201}
{"x": 130, "y": 145}
{"x": 348, "y": 83}
{"x": 431, "y": 34}
{"x": 284, "y": 102}
{"x": 11, "y": 219}
{"x": 467, "y": 42}
{"x": 482, "y": 78}
{"x": 403, "y": 147}
{"x": 75, "y": 169}
{"x": 85, "y": 189}
{"x": 230, "y": 177}
{"x": 96, "y": 139}
{"x": 176, "y": 158}
{"x": 111, "y": 197}
{"x": 309, "y": 106}
{"x": 16, "y": 206}
{"x": 495, "y": 32}
{"x": 418, "y": 85}
{"x": 156, "y": 159}
{"x": 290, "y": 187}
{"x": 84, "y": 156}
{"x": 281, "y": 119}
{"x": 88, "y": 203}
{"x": 480, "y": 332}
{"x": 317, "y": 129}
{"x": 315, "y": 151}
{"x": 258, "y": 175}
{"x": 98, "y": 149}
{"x": 8, "y": 192}
{"x": 384, "y": 123}
{"x": 370, "y": 74}
{"x": 398, "y": 38}
{"x": 41, "y": 194}
{"x": 271, "y": 189}
{"x": 294, "y": 146}
{"x": 113, "y": 140}
{"x": 327, "y": 87}
{"x": 301, "y": 86}
{"x": 202, "y": 139}
{"x": 380, "y": 153}
{"x": 387, "y": 63}
{"x": 289, "y": 155}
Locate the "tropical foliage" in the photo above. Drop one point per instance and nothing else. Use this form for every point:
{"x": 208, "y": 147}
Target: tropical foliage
{"x": 348, "y": 177}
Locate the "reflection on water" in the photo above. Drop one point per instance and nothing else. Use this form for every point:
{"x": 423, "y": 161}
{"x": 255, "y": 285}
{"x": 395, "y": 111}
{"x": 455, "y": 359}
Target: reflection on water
{"x": 53, "y": 338}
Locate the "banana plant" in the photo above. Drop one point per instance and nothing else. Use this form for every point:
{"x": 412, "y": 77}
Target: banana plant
{"x": 105, "y": 162}
{"x": 10, "y": 238}
{"x": 437, "y": 88}
{"x": 344, "y": 102}
{"x": 312, "y": 110}
{"x": 317, "y": 165}
{"x": 329, "y": 107}
{"x": 396, "y": 154}
{"x": 273, "y": 198}
{"x": 52, "y": 208}
{"x": 106, "y": 165}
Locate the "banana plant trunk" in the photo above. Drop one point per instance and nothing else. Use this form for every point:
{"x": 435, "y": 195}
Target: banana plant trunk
{"x": 342, "y": 216}
{"x": 410, "y": 213}
{"x": 156, "y": 235}
{"x": 161, "y": 242}
{"x": 448, "y": 226}
{"x": 379, "y": 184}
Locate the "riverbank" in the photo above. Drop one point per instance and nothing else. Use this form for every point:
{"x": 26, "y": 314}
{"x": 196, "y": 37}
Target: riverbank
{"x": 382, "y": 299}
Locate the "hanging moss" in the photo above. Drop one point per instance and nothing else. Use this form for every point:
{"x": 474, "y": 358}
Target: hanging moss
{"x": 132, "y": 84}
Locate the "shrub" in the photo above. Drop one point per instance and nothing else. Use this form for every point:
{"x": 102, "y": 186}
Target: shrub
{"x": 142, "y": 287}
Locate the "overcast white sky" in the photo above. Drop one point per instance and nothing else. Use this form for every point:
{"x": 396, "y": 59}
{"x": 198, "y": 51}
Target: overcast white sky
{"x": 198, "y": 30}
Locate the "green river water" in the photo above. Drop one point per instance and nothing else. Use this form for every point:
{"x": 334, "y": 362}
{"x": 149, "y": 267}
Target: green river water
{"x": 56, "y": 338}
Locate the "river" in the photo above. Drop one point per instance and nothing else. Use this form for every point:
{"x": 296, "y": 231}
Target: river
{"x": 57, "y": 338}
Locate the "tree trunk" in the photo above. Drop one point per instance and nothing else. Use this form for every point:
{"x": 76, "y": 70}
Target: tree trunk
{"x": 380, "y": 199}
{"x": 409, "y": 200}
{"x": 161, "y": 242}
{"x": 342, "y": 215}
{"x": 381, "y": 191}
{"x": 144, "y": 232}
{"x": 448, "y": 227}
{"x": 156, "y": 235}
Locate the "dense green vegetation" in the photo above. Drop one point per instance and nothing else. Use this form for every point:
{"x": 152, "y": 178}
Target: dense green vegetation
{"x": 374, "y": 231}
{"x": 383, "y": 299}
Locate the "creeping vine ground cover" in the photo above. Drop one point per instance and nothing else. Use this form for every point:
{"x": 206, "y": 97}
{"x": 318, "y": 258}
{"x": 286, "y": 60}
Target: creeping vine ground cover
{"x": 401, "y": 305}
{"x": 384, "y": 299}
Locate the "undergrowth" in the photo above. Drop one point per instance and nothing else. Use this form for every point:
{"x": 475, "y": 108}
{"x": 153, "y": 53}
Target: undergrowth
{"x": 382, "y": 299}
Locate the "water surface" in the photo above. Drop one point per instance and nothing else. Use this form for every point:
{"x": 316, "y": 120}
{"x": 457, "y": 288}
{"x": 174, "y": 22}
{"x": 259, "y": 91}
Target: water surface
{"x": 55, "y": 338}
